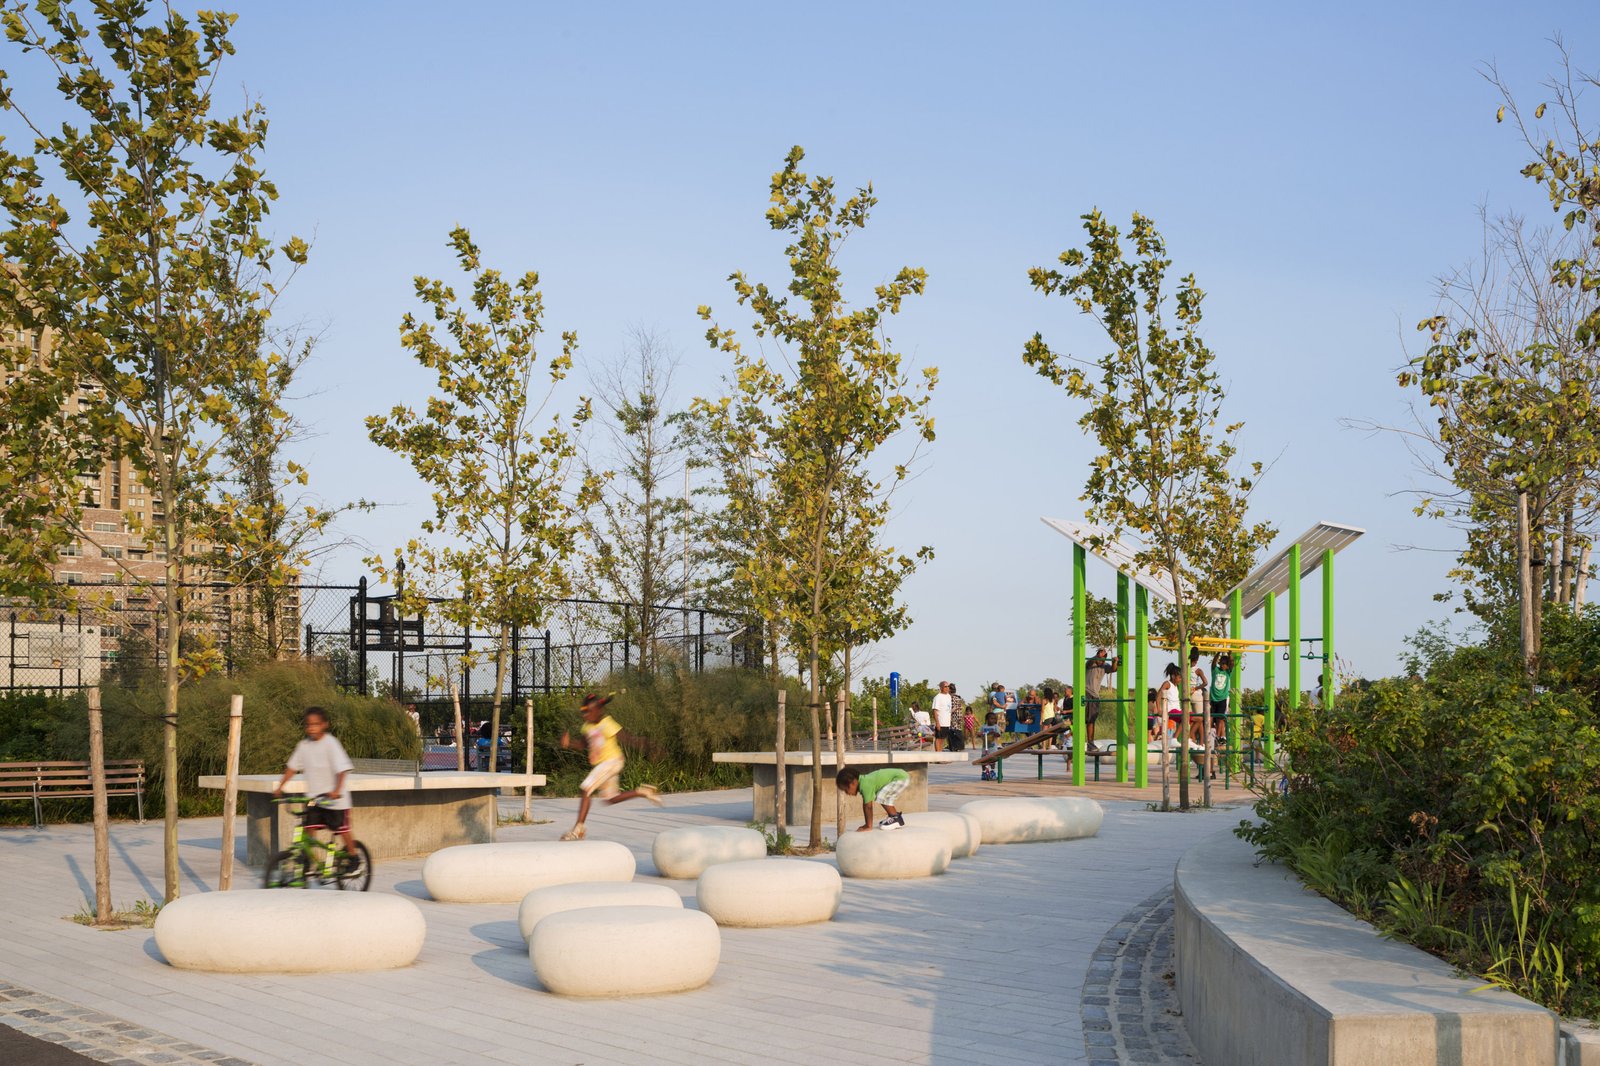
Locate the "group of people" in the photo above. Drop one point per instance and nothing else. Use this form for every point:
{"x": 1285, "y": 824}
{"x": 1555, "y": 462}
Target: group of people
{"x": 1164, "y": 715}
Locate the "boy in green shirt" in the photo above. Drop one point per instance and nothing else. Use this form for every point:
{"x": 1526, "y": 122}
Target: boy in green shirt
{"x": 881, "y": 786}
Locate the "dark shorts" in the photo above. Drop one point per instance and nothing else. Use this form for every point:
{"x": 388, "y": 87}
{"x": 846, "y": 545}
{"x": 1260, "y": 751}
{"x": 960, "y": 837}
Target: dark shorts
{"x": 325, "y": 816}
{"x": 1219, "y": 708}
{"x": 944, "y": 732}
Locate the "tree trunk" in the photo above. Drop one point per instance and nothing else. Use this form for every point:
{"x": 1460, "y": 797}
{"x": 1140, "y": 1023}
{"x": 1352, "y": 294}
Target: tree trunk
{"x": 527, "y": 789}
{"x": 814, "y": 688}
{"x": 494, "y": 706}
{"x": 455, "y": 703}
{"x": 1524, "y": 589}
{"x": 780, "y": 787}
{"x": 1183, "y": 692}
{"x": 838, "y": 764}
{"x": 1564, "y": 591}
{"x": 1580, "y": 583}
{"x": 172, "y": 611}
{"x": 230, "y": 791}
{"x": 102, "y": 819}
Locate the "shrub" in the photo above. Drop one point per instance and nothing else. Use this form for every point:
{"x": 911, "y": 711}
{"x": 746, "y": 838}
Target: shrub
{"x": 1459, "y": 811}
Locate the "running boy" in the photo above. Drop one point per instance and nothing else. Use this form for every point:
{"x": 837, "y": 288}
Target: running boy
{"x": 602, "y": 736}
{"x": 883, "y": 786}
{"x": 322, "y": 759}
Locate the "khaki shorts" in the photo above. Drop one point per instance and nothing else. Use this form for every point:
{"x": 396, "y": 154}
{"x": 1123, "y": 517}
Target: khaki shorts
{"x": 602, "y": 779}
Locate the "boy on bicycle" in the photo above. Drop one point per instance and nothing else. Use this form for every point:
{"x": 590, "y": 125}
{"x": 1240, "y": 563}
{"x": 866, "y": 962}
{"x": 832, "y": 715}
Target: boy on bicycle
{"x": 322, "y": 759}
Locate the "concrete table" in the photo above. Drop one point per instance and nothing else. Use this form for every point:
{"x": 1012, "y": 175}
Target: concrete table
{"x": 797, "y": 773}
{"x": 394, "y": 815}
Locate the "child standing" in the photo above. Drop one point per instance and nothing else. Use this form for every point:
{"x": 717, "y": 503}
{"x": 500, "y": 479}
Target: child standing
{"x": 881, "y": 786}
{"x": 322, "y": 759}
{"x": 602, "y": 737}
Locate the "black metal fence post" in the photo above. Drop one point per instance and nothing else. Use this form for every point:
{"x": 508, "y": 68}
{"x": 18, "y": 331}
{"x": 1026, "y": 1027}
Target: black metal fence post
{"x": 360, "y": 636}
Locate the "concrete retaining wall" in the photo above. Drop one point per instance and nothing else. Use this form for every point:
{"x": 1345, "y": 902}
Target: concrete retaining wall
{"x": 1270, "y": 973}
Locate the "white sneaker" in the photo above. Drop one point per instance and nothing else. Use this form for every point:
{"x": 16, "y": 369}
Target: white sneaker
{"x": 894, "y": 821}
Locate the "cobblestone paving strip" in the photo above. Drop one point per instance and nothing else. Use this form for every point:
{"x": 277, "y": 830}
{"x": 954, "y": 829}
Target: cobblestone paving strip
{"x": 1130, "y": 1007}
{"x": 98, "y": 1036}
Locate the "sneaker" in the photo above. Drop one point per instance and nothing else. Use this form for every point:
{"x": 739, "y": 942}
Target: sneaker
{"x": 894, "y": 821}
{"x": 575, "y": 833}
{"x": 651, "y": 793}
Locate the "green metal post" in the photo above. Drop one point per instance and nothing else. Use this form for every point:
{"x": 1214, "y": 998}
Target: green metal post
{"x": 1327, "y": 628}
{"x": 1141, "y": 682}
{"x": 1079, "y": 611}
{"x": 1120, "y": 656}
{"x": 1236, "y": 631}
{"x": 1269, "y": 684}
{"x": 1294, "y": 629}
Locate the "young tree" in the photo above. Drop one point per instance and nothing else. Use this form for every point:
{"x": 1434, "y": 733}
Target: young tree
{"x": 135, "y": 234}
{"x": 1155, "y": 405}
{"x": 1510, "y": 424}
{"x": 635, "y": 530}
{"x": 821, "y": 413}
{"x": 506, "y": 517}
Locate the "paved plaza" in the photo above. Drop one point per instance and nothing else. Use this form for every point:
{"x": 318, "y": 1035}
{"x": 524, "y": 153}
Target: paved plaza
{"x": 1006, "y": 958}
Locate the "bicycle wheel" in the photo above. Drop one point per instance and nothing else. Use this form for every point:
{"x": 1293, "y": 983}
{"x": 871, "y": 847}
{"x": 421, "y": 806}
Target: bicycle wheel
{"x": 286, "y": 869}
{"x": 353, "y": 869}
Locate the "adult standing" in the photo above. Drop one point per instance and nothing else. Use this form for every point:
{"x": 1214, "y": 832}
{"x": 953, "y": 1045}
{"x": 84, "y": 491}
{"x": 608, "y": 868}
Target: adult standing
{"x": 1098, "y": 667}
{"x": 941, "y": 716}
{"x": 961, "y": 718}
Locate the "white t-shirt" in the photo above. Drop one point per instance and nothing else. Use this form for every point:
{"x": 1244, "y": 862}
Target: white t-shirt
{"x": 941, "y": 710}
{"x": 321, "y": 762}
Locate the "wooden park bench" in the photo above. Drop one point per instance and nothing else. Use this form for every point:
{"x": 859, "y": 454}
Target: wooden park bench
{"x": 40, "y": 781}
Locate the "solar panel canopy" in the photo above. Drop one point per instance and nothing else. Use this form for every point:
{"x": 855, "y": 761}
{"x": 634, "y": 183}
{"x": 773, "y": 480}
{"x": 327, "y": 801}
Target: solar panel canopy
{"x": 1272, "y": 577}
{"x": 1119, "y": 555}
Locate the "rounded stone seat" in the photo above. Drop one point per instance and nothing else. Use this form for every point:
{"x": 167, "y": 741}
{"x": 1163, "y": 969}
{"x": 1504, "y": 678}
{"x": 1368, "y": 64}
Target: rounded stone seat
{"x": 553, "y": 899}
{"x": 686, "y": 852}
{"x": 768, "y": 892}
{"x": 963, "y": 829}
{"x": 914, "y": 851}
{"x": 1028, "y": 819}
{"x": 287, "y": 931}
{"x": 624, "y": 951}
{"x": 505, "y": 873}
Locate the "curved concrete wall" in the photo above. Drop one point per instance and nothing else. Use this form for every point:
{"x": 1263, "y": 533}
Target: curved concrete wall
{"x": 1270, "y": 973}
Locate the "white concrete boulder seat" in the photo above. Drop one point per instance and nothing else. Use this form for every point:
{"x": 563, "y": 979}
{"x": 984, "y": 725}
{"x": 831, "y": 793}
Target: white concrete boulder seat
{"x": 963, "y": 829}
{"x": 282, "y": 931}
{"x": 684, "y": 853}
{"x": 1028, "y": 819}
{"x": 505, "y": 873}
{"x": 758, "y": 893}
{"x": 914, "y": 851}
{"x": 553, "y": 899}
{"x": 624, "y": 951}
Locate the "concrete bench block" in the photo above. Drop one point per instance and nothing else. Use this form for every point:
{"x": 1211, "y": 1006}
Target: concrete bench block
{"x": 908, "y": 852}
{"x": 1269, "y": 972}
{"x": 624, "y": 951}
{"x": 505, "y": 873}
{"x": 769, "y": 892}
{"x": 288, "y": 931}
{"x": 553, "y": 899}
{"x": 686, "y": 852}
{"x": 963, "y": 829}
{"x": 1025, "y": 820}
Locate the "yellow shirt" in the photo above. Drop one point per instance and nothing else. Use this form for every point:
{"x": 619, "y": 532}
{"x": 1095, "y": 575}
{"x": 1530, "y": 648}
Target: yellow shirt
{"x": 602, "y": 738}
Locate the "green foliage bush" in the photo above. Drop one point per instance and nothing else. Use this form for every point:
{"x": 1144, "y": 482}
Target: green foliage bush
{"x": 34, "y": 726}
{"x": 1459, "y": 811}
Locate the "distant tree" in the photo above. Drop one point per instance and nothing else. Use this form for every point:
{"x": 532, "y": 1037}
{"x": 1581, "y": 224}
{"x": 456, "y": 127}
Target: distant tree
{"x": 635, "y": 529}
{"x": 137, "y": 248}
{"x": 506, "y": 514}
{"x": 1155, "y": 403}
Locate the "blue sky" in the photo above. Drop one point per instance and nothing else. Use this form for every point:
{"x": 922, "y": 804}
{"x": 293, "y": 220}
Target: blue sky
{"x": 1315, "y": 168}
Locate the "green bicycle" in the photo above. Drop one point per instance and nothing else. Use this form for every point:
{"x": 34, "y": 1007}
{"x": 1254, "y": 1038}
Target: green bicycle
{"x": 310, "y": 858}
